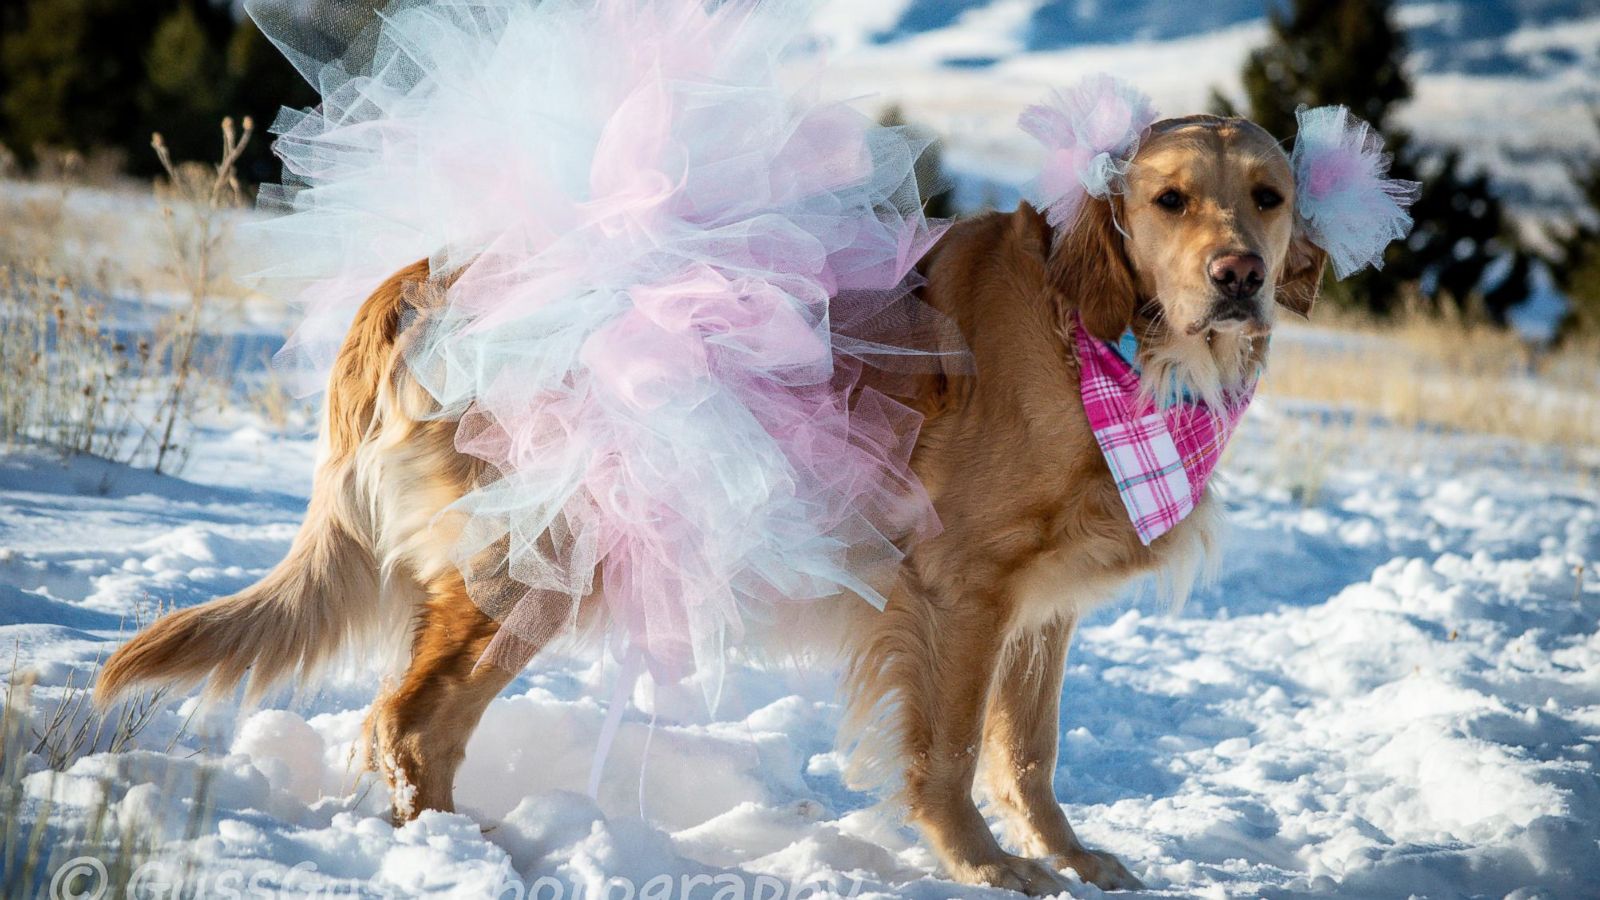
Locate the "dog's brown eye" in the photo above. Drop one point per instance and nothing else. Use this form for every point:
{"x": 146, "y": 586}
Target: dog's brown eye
{"x": 1267, "y": 198}
{"x": 1172, "y": 201}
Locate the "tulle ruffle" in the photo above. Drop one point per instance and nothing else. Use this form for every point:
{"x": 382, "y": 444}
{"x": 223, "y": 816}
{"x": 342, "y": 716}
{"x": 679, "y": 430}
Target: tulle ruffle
{"x": 1090, "y": 133}
{"x": 670, "y": 272}
{"x": 1347, "y": 201}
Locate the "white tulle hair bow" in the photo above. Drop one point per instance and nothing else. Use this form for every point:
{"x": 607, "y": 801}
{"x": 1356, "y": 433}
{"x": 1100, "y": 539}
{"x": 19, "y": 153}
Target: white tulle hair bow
{"x": 1346, "y": 200}
{"x": 1090, "y": 133}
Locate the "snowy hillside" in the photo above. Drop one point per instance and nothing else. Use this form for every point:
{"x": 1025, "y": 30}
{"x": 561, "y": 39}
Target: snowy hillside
{"x": 1511, "y": 81}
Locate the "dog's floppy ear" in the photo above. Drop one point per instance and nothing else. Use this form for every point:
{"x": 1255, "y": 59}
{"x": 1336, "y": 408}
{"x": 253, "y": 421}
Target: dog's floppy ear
{"x": 1090, "y": 267}
{"x": 1301, "y": 280}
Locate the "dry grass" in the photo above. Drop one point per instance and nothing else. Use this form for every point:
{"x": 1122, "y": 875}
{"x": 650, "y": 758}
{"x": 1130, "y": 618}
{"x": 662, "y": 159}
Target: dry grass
{"x": 32, "y": 852}
{"x": 194, "y": 200}
{"x": 277, "y": 405}
{"x": 1430, "y": 373}
{"x": 72, "y": 726}
{"x": 34, "y": 224}
{"x": 66, "y": 380}
{"x": 36, "y": 843}
{"x": 73, "y": 376}
{"x": 44, "y": 227}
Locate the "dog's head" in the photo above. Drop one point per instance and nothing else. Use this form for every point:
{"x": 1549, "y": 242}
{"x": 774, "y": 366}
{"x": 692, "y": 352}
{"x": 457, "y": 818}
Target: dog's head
{"x": 1202, "y": 237}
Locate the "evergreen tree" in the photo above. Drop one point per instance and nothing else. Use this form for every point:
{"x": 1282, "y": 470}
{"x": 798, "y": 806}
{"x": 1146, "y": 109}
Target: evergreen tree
{"x": 184, "y": 94}
{"x": 262, "y": 82}
{"x": 1461, "y": 232}
{"x": 71, "y": 69}
{"x": 1577, "y": 272}
{"x": 1345, "y": 51}
{"x": 85, "y": 74}
{"x": 1351, "y": 52}
{"x": 12, "y": 17}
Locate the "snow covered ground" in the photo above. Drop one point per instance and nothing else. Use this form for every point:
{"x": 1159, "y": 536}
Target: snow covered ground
{"x": 1394, "y": 689}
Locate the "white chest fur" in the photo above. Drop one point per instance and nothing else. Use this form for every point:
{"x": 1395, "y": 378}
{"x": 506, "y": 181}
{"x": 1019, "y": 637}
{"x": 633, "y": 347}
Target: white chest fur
{"x": 1069, "y": 580}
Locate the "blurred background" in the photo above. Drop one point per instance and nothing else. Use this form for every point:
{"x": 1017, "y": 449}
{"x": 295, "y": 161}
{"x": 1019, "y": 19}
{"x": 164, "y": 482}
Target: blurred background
{"x": 1494, "y": 105}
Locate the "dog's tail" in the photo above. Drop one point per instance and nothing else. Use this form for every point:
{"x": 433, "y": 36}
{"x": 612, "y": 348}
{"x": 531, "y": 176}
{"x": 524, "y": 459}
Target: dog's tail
{"x": 324, "y": 595}
{"x": 292, "y": 621}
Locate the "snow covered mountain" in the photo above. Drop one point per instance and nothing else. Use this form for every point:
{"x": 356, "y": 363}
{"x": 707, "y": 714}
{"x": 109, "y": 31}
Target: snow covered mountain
{"x": 1455, "y": 35}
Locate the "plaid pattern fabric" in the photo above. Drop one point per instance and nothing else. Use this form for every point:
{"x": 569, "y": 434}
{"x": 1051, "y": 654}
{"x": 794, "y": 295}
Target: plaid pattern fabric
{"x": 1159, "y": 458}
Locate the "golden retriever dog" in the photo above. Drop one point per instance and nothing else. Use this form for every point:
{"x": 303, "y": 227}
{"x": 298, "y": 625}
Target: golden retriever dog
{"x": 955, "y": 686}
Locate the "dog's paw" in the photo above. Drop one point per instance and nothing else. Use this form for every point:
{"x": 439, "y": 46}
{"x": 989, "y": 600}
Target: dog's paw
{"x": 1100, "y": 869}
{"x": 1016, "y": 873}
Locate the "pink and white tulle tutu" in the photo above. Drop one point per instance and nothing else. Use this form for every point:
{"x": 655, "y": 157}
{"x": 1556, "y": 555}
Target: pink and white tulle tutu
{"x": 671, "y": 268}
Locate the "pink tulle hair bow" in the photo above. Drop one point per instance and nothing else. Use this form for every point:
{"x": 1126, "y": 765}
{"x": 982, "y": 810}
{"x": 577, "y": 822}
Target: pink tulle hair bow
{"x": 1346, "y": 200}
{"x": 1090, "y": 133}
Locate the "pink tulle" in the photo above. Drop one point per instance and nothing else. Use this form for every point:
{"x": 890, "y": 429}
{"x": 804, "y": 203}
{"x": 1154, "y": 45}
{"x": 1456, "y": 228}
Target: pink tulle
{"x": 1090, "y": 133}
{"x": 672, "y": 272}
{"x": 1347, "y": 201}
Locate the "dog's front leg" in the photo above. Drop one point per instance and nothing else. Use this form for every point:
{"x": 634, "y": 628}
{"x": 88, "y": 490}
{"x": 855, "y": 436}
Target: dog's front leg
{"x": 944, "y": 690}
{"x": 1020, "y": 738}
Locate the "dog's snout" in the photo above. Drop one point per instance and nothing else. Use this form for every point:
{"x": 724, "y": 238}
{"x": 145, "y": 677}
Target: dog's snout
{"x": 1238, "y": 275}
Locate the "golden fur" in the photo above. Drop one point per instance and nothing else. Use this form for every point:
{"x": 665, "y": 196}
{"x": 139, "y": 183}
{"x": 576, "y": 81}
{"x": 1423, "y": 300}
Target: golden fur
{"x": 961, "y": 673}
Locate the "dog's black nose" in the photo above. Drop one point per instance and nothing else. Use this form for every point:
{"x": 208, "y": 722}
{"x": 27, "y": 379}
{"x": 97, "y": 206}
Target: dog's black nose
{"x": 1238, "y": 275}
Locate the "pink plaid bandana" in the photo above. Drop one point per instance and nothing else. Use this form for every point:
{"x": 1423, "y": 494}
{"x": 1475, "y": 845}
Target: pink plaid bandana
{"x": 1159, "y": 458}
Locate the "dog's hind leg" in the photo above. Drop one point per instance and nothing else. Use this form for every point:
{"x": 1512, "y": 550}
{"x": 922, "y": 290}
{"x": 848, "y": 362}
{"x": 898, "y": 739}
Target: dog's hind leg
{"x": 419, "y": 731}
{"x": 1019, "y": 756}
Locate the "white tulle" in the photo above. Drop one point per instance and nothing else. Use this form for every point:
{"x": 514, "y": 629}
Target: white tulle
{"x": 1090, "y": 133}
{"x": 1346, "y": 200}
{"x": 672, "y": 272}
